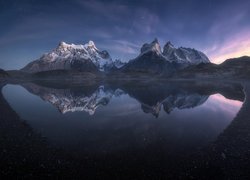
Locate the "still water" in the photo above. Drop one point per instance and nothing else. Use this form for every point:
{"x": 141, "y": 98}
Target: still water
{"x": 104, "y": 119}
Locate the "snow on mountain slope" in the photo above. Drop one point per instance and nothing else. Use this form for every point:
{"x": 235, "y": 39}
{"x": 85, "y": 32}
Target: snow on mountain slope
{"x": 183, "y": 55}
{"x": 171, "y": 54}
{"x": 154, "y": 46}
{"x": 153, "y": 60}
{"x": 118, "y": 63}
{"x": 68, "y": 56}
{"x": 90, "y": 59}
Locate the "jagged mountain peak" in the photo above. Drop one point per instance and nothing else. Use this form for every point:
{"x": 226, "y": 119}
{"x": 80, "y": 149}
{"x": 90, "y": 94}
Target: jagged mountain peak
{"x": 180, "y": 55}
{"x": 91, "y": 44}
{"x": 72, "y": 56}
{"x": 155, "y": 41}
{"x": 168, "y": 48}
{"x": 169, "y": 44}
{"x": 153, "y": 60}
{"x": 154, "y": 46}
{"x": 64, "y": 45}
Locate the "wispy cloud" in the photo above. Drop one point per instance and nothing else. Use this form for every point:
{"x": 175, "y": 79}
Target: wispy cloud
{"x": 120, "y": 47}
{"x": 235, "y": 46}
{"x": 227, "y": 25}
{"x": 228, "y": 35}
{"x": 126, "y": 43}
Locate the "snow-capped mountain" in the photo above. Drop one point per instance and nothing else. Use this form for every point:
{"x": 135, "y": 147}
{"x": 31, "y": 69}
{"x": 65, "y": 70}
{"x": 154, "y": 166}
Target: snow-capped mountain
{"x": 90, "y": 59}
{"x": 178, "y": 55}
{"x": 150, "y": 60}
{"x": 70, "y": 56}
{"x": 183, "y": 55}
{"x": 153, "y": 60}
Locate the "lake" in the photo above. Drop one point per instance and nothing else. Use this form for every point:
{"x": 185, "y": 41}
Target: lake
{"x": 139, "y": 125}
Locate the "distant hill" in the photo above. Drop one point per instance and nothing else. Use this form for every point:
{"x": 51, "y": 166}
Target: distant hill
{"x": 231, "y": 68}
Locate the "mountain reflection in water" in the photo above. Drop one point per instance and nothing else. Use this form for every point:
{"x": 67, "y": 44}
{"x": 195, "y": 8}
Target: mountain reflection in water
{"x": 125, "y": 114}
{"x": 151, "y": 97}
{"x": 80, "y": 99}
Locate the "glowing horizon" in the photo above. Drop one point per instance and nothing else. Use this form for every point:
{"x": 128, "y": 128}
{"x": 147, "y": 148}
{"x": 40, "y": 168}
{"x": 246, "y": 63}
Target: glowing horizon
{"x": 237, "y": 46}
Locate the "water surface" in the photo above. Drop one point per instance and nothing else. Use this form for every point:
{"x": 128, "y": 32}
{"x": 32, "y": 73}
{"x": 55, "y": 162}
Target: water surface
{"x": 105, "y": 119}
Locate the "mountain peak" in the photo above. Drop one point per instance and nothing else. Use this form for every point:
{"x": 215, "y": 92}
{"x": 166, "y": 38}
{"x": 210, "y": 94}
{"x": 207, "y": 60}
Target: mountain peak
{"x": 168, "y": 48}
{"x": 155, "y": 41}
{"x": 169, "y": 44}
{"x": 154, "y": 46}
{"x": 91, "y": 44}
{"x": 62, "y": 44}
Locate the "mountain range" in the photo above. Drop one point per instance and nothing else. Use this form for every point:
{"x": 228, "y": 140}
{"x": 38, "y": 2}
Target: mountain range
{"x": 88, "y": 58}
{"x": 86, "y": 63}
